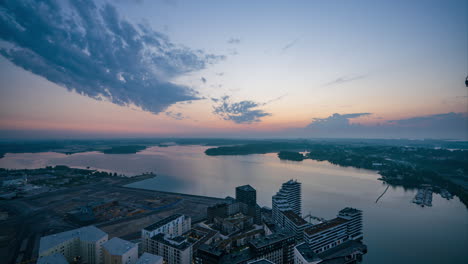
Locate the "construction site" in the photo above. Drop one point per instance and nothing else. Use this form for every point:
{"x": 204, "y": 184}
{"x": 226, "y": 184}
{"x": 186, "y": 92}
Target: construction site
{"x": 120, "y": 211}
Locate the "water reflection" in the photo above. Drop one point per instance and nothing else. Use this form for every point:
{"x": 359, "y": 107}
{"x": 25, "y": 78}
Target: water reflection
{"x": 395, "y": 229}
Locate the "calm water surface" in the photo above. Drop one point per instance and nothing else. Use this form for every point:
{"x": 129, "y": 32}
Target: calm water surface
{"x": 395, "y": 230}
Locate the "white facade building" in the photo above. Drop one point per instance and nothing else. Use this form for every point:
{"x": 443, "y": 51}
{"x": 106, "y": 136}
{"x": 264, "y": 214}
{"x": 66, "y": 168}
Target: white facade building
{"x": 52, "y": 259}
{"x": 148, "y": 258}
{"x": 174, "y": 225}
{"x": 287, "y": 198}
{"x": 84, "y": 243}
{"x": 342, "y": 234}
{"x": 164, "y": 238}
{"x": 355, "y": 222}
{"x": 327, "y": 235}
{"x": 119, "y": 251}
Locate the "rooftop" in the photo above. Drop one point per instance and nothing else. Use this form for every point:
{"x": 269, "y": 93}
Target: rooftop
{"x": 334, "y": 255}
{"x": 237, "y": 257}
{"x": 87, "y": 233}
{"x": 291, "y": 182}
{"x": 118, "y": 246}
{"x": 270, "y": 239}
{"x": 52, "y": 259}
{"x": 162, "y": 222}
{"x": 148, "y": 258}
{"x": 261, "y": 261}
{"x": 324, "y": 226}
{"x": 206, "y": 235}
{"x": 307, "y": 253}
{"x": 347, "y": 248}
{"x": 246, "y": 188}
{"x": 295, "y": 218}
{"x": 211, "y": 249}
{"x": 177, "y": 239}
{"x": 161, "y": 238}
{"x": 349, "y": 210}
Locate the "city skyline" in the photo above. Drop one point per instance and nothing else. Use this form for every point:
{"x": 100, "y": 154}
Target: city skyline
{"x": 269, "y": 69}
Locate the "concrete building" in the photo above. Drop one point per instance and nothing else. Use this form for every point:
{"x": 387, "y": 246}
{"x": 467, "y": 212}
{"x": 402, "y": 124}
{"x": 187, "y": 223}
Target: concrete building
{"x": 226, "y": 209}
{"x": 349, "y": 252}
{"x": 287, "y": 198}
{"x": 327, "y": 235}
{"x": 207, "y": 254}
{"x": 355, "y": 222}
{"x": 52, "y": 259}
{"x": 148, "y": 258}
{"x": 119, "y": 251}
{"x": 277, "y": 248}
{"x": 294, "y": 224}
{"x": 261, "y": 261}
{"x": 337, "y": 239}
{"x": 174, "y": 250}
{"x": 246, "y": 194}
{"x": 164, "y": 238}
{"x": 84, "y": 243}
{"x": 292, "y": 191}
{"x": 174, "y": 225}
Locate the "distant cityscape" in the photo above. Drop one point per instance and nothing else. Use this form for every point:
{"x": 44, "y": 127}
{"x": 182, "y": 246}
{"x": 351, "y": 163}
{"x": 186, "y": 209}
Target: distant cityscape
{"x": 235, "y": 231}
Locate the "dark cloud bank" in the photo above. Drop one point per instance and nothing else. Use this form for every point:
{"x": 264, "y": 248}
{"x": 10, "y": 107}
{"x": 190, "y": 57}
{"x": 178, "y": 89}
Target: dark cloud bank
{"x": 447, "y": 125}
{"x": 92, "y": 50}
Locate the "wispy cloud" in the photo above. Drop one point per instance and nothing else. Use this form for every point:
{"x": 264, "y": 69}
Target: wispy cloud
{"x": 276, "y": 99}
{"x": 289, "y": 45}
{"x": 234, "y": 41}
{"x": 92, "y": 50}
{"x": 233, "y": 52}
{"x": 243, "y": 112}
{"x": 344, "y": 79}
{"x": 176, "y": 115}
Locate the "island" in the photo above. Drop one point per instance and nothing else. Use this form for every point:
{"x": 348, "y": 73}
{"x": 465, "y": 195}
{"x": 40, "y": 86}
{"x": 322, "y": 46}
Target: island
{"x": 131, "y": 149}
{"x": 410, "y": 164}
{"x": 291, "y": 155}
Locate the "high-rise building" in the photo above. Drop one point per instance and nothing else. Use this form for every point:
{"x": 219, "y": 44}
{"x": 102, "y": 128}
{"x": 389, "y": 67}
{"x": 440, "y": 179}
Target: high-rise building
{"x": 84, "y": 243}
{"x": 119, "y": 251}
{"x": 246, "y": 194}
{"x": 287, "y": 198}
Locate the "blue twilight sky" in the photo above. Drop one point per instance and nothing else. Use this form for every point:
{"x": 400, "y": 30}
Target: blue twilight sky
{"x": 234, "y": 68}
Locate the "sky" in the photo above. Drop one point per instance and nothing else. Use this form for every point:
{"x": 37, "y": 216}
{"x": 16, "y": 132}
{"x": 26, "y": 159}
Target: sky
{"x": 377, "y": 69}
